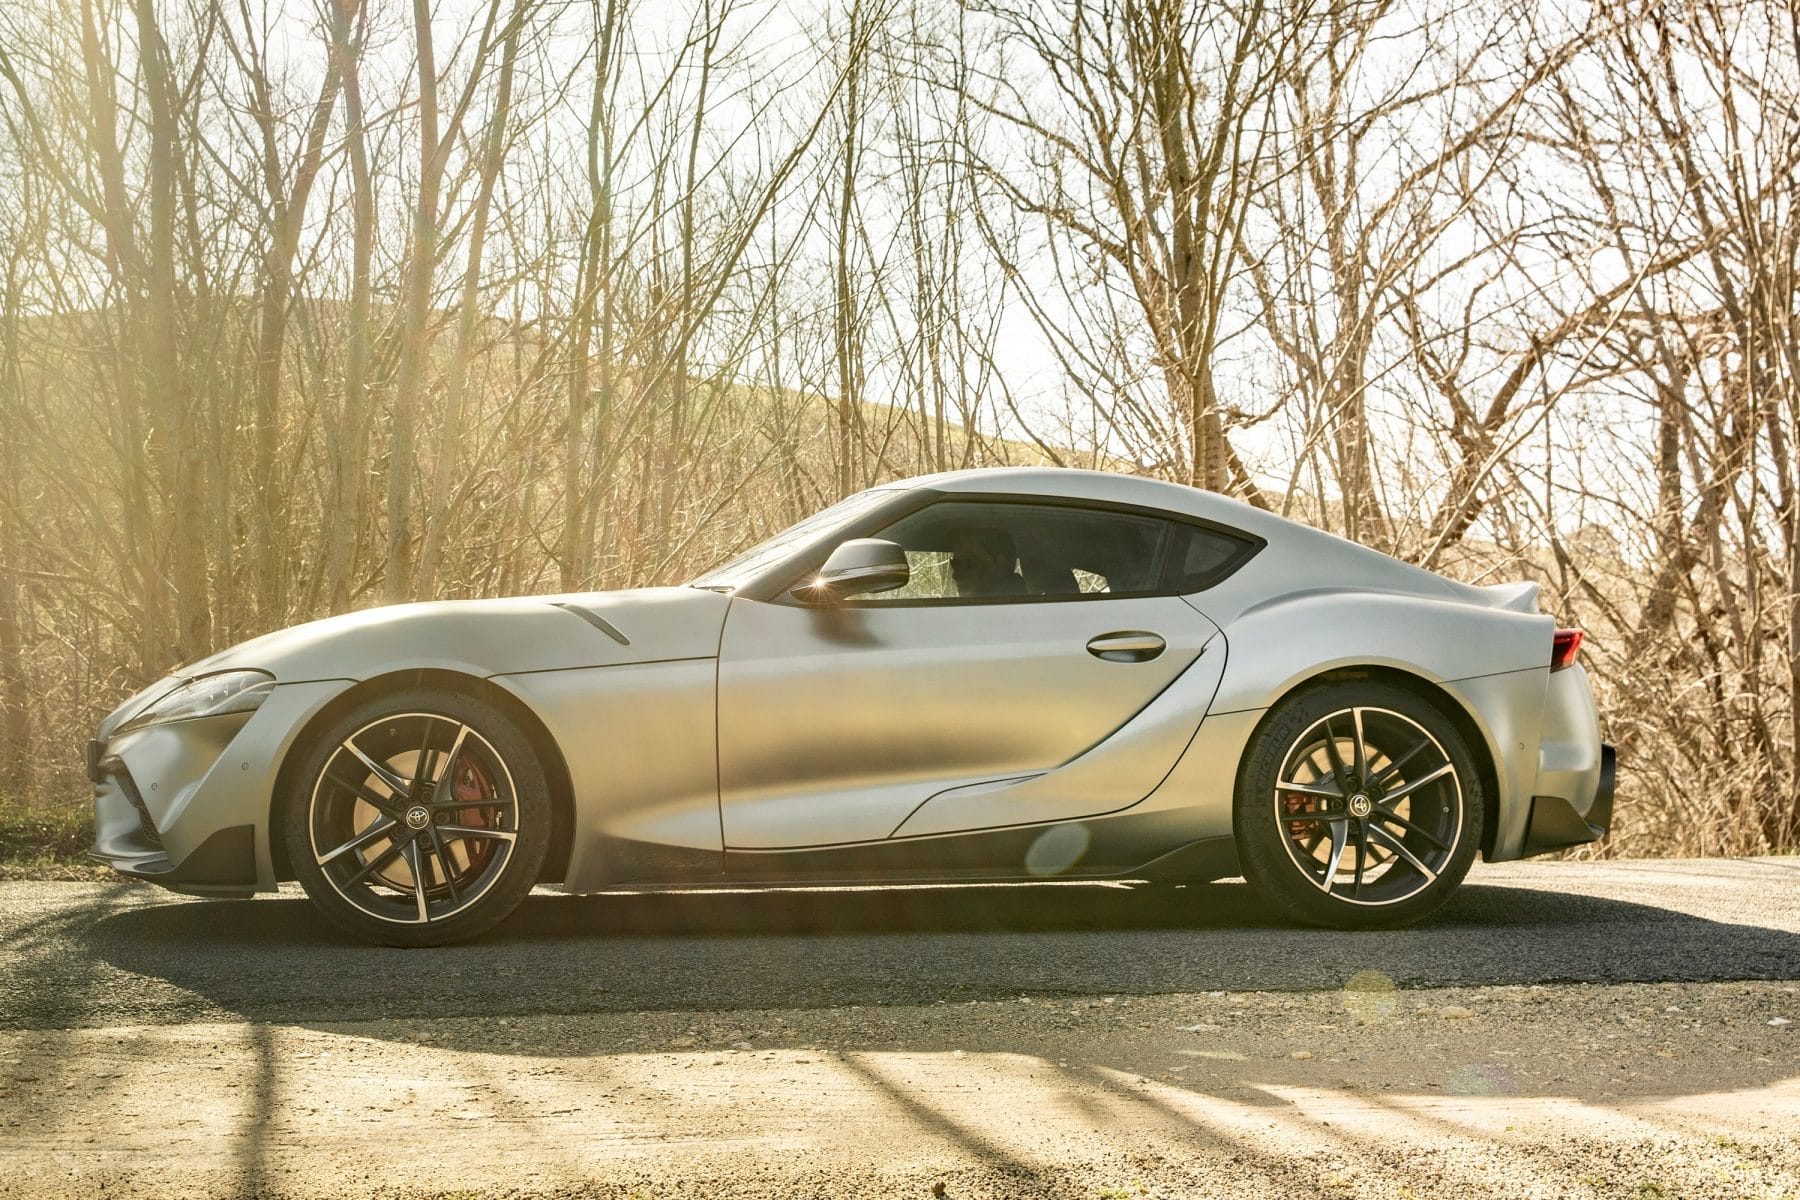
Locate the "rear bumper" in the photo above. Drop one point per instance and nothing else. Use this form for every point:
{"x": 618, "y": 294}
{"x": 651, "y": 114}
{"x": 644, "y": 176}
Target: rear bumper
{"x": 1553, "y": 771}
{"x": 1555, "y": 825}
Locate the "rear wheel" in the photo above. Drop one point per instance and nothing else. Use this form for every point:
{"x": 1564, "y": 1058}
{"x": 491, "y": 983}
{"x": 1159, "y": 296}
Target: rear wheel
{"x": 419, "y": 818}
{"x": 1358, "y": 806}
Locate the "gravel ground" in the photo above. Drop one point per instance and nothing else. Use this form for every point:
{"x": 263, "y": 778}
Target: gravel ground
{"x": 1618, "y": 1030}
{"x": 1581, "y": 1091}
{"x": 54, "y": 871}
{"x": 121, "y": 953}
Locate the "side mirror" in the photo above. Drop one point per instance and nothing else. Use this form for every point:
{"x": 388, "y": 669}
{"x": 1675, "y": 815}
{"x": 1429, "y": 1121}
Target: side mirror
{"x": 856, "y": 568}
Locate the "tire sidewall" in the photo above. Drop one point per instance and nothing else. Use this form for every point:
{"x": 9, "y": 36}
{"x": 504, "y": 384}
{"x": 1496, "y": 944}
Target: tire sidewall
{"x": 531, "y": 790}
{"x": 1267, "y": 864}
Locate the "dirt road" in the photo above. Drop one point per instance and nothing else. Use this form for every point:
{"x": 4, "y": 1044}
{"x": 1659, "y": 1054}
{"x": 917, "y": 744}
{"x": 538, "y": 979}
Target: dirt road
{"x": 1080, "y": 1042}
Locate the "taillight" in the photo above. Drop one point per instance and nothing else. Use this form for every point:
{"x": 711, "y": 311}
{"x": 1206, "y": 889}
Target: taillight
{"x": 1563, "y": 648}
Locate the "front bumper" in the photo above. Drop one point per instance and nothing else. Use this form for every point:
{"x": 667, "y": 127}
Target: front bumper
{"x": 187, "y": 804}
{"x": 127, "y": 839}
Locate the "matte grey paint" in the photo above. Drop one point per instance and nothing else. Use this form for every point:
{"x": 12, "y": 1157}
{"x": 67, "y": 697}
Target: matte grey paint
{"x": 836, "y": 724}
{"x": 856, "y": 724}
{"x": 486, "y": 637}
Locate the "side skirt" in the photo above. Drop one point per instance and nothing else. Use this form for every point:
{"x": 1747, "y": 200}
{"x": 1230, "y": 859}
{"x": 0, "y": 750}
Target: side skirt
{"x": 1149, "y": 846}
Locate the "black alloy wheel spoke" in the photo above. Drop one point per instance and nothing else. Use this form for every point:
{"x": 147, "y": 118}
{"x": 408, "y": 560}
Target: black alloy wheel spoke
{"x": 390, "y": 806}
{"x": 446, "y": 774}
{"x": 362, "y": 839}
{"x": 1382, "y": 776}
{"x": 1311, "y": 789}
{"x": 1338, "y": 772}
{"x": 1388, "y": 815}
{"x": 422, "y": 767}
{"x": 1412, "y": 785}
{"x": 1358, "y": 750}
{"x": 379, "y": 861}
{"x": 1362, "y": 850}
{"x": 1400, "y": 850}
{"x": 446, "y": 865}
{"x": 394, "y": 781}
{"x": 428, "y": 871}
{"x": 1340, "y": 841}
{"x": 444, "y": 797}
{"x": 455, "y": 832}
{"x": 416, "y": 862}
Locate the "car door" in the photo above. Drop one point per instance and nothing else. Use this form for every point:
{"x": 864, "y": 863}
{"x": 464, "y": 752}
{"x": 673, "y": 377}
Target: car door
{"x": 1028, "y": 633}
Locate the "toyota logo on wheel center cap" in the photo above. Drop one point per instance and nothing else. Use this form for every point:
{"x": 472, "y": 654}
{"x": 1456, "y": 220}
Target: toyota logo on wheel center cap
{"x": 418, "y": 817}
{"x": 1360, "y": 805}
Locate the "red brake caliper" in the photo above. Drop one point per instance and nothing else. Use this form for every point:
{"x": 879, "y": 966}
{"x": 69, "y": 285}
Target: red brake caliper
{"x": 1294, "y": 802}
{"x": 474, "y": 784}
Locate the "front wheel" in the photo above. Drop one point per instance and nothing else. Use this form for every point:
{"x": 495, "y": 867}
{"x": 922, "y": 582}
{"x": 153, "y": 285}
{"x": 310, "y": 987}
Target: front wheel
{"x": 1358, "y": 806}
{"x": 419, "y": 818}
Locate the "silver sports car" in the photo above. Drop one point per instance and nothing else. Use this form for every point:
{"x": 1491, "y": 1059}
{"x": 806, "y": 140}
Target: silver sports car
{"x": 1013, "y": 674}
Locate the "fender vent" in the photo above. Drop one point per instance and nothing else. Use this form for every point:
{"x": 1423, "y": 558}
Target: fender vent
{"x": 595, "y": 619}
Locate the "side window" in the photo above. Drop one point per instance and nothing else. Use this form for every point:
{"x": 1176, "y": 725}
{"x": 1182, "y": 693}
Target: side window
{"x": 1199, "y": 557}
{"x": 961, "y": 550}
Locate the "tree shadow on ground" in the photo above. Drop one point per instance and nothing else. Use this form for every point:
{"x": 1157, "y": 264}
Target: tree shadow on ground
{"x": 119, "y": 957}
{"x": 277, "y": 960}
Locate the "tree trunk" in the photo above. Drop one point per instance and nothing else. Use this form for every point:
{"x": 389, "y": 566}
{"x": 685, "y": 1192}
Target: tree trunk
{"x": 415, "y": 331}
{"x": 287, "y": 217}
{"x": 437, "y": 515}
{"x": 184, "y": 466}
{"x": 350, "y": 462}
{"x": 15, "y": 688}
{"x": 594, "y": 290}
{"x": 845, "y": 330}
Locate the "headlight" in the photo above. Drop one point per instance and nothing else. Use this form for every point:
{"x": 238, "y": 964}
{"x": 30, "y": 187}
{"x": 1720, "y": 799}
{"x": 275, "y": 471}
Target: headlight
{"x": 208, "y": 696}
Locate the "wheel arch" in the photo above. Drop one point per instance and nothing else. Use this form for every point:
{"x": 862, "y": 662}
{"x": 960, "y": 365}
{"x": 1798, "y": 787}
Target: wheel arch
{"x": 556, "y": 770}
{"x": 1467, "y": 723}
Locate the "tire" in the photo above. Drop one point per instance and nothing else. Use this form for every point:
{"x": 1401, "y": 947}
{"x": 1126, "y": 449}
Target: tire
{"x": 1394, "y": 779}
{"x": 382, "y": 849}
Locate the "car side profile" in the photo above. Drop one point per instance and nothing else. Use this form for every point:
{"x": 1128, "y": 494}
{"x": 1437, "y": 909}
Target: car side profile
{"x": 1008, "y": 674}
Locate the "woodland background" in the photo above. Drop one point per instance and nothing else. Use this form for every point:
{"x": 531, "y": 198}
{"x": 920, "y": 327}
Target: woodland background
{"x": 315, "y": 305}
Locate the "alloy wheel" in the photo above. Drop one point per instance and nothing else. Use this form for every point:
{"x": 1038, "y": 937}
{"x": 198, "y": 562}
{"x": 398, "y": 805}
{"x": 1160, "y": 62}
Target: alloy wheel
{"x": 413, "y": 818}
{"x": 1368, "y": 805}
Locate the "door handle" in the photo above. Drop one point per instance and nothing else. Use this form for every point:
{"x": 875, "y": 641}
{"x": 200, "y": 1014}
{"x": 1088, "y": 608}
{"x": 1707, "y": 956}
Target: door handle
{"x": 1127, "y": 645}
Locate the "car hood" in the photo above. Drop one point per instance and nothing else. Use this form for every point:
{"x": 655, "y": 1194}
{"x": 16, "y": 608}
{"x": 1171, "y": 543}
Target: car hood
{"x": 487, "y": 637}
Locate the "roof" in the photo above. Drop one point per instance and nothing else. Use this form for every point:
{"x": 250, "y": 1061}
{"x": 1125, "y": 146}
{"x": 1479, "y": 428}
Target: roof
{"x": 1106, "y": 486}
{"x": 1307, "y": 553}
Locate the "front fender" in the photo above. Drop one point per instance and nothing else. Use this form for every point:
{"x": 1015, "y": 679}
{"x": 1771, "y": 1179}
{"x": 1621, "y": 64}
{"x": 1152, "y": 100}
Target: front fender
{"x": 488, "y": 637}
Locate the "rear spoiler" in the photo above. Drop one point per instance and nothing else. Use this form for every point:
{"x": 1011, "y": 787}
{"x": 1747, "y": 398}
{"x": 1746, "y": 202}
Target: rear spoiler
{"x": 1513, "y": 597}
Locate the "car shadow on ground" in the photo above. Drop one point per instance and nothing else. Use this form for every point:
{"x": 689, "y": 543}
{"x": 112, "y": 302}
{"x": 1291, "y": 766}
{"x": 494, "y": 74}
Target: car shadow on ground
{"x": 974, "y": 908}
{"x": 276, "y": 959}
{"x": 122, "y": 956}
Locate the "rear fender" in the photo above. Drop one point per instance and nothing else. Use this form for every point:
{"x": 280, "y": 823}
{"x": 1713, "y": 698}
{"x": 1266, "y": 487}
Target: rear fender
{"x": 1493, "y": 662}
{"x": 1279, "y": 644}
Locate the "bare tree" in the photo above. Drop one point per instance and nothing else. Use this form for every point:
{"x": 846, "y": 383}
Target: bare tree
{"x": 1145, "y": 122}
{"x": 451, "y": 432}
{"x": 485, "y": 296}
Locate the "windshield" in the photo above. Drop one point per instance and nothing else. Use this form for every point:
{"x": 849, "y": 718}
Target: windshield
{"x": 729, "y": 575}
